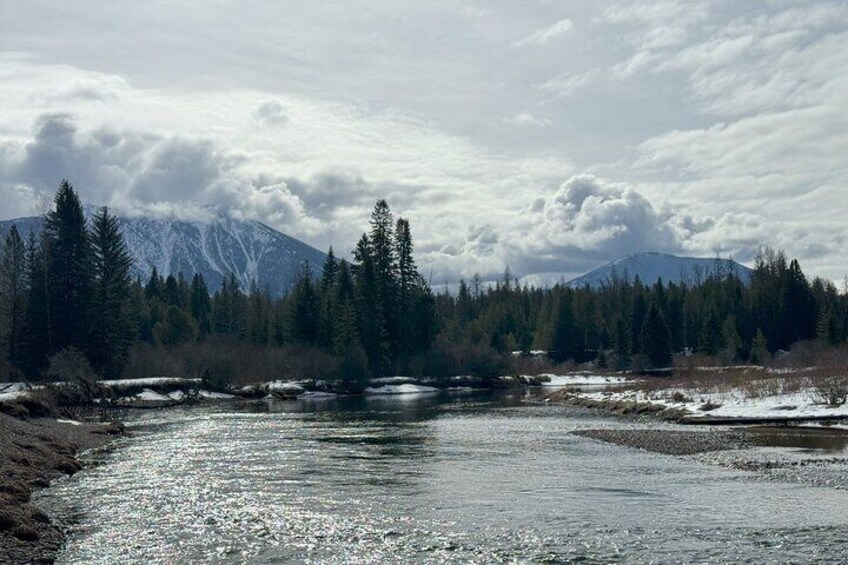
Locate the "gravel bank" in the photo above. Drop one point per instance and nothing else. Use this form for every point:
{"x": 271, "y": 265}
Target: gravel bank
{"x": 670, "y": 442}
{"x": 33, "y": 453}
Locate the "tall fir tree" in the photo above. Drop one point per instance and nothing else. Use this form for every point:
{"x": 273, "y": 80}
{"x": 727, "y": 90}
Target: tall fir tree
{"x": 68, "y": 271}
{"x": 111, "y": 328}
{"x": 37, "y": 342}
{"x": 201, "y": 305}
{"x": 655, "y": 338}
{"x": 13, "y": 284}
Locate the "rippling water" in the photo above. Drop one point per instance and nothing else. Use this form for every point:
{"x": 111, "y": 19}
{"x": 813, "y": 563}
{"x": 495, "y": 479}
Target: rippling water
{"x": 481, "y": 478}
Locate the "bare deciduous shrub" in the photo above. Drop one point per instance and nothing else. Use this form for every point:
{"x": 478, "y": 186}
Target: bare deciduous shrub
{"x": 223, "y": 362}
{"x": 680, "y": 397}
{"x": 828, "y": 381}
{"x": 71, "y": 366}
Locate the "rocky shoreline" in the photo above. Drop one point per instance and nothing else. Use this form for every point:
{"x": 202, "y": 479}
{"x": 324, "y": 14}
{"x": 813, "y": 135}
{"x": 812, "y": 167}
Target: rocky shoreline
{"x": 671, "y": 442}
{"x": 754, "y": 449}
{"x": 35, "y": 452}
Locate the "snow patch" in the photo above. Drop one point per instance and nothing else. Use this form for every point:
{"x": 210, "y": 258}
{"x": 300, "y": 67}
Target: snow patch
{"x": 71, "y": 422}
{"x": 151, "y": 395}
{"x": 402, "y": 389}
{"x": 214, "y": 395}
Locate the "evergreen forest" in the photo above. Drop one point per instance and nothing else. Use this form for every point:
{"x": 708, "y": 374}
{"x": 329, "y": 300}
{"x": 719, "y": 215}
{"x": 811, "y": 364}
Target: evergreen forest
{"x": 69, "y": 289}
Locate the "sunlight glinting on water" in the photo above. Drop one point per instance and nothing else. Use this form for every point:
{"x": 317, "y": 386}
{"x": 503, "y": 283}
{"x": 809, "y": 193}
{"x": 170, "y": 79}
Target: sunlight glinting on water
{"x": 442, "y": 480}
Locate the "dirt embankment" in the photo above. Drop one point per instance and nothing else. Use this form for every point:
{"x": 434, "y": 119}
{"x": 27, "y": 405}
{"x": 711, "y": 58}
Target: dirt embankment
{"x": 32, "y": 453}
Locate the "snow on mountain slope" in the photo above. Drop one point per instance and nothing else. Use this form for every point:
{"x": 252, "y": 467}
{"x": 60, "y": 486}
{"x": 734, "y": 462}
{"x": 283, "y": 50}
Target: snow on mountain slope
{"x": 650, "y": 267}
{"x": 214, "y": 247}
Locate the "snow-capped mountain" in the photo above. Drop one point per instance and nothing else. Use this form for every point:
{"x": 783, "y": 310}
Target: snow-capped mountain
{"x": 650, "y": 267}
{"x": 214, "y": 247}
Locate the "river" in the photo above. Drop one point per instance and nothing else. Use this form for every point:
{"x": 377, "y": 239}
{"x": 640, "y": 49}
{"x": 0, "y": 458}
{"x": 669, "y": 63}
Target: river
{"x": 479, "y": 477}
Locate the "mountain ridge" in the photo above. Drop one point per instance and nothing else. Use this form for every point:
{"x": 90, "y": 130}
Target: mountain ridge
{"x": 651, "y": 266}
{"x": 214, "y": 246}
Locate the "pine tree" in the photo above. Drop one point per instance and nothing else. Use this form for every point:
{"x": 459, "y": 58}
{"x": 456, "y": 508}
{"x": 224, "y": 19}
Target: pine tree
{"x": 566, "y": 343}
{"x": 711, "y": 338}
{"x": 622, "y": 345}
{"x": 112, "y": 330}
{"x": 176, "y": 328}
{"x": 13, "y": 281}
{"x": 304, "y": 318}
{"x": 69, "y": 270}
{"x": 759, "y": 347}
{"x": 408, "y": 280}
{"x": 36, "y": 336}
{"x": 329, "y": 271}
{"x": 384, "y": 259}
{"x": 369, "y": 309}
{"x": 201, "y": 306}
{"x": 329, "y": 275}
{"x": 656, "y": 338}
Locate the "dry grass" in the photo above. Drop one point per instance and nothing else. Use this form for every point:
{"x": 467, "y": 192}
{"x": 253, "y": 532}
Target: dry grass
{"x": 705, "y": 377}
{"x": 822, "y": 372}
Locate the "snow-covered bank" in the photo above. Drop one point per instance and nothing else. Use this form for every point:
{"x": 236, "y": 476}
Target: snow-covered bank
{"x": 173, "y": 390}
{"x": 733, "y": 403}
{"x": 583, "y": 379}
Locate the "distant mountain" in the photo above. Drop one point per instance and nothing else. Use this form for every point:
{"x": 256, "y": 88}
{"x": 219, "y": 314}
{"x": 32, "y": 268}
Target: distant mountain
{"x": 650, "y": 267}
{"x": 214, "y": 247}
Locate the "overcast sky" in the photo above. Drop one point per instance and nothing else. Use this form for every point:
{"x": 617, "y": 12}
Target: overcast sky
{"x": 549, "y": 135}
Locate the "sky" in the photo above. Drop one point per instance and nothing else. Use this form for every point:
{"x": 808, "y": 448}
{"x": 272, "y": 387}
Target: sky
{"x": 549, "y": 136}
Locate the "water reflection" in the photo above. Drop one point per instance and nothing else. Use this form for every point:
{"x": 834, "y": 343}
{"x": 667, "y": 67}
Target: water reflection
{"x": 481, "y": 478}
{"x": 802, "y": 438}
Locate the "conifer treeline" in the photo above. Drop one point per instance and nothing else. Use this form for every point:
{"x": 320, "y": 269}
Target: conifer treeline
{"x": 71, "y": 287}
{"x": 628, "y": 324}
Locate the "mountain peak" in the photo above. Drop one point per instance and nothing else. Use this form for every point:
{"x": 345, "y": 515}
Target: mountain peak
{"x": 651, "y": 266}
{"x": 214, "y": 245}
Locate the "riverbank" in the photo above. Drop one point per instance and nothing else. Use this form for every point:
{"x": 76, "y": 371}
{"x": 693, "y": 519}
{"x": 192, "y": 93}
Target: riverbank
{"x": 814, "y": 455}
{"x": 35, "y": 452}
{"x": 671, "y": 442}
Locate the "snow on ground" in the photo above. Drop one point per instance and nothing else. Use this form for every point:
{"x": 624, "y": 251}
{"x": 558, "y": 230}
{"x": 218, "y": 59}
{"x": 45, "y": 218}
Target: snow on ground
{"x": 285, "y": 386}
{"x": 401, "y": 389}
{"x": 153, "y": 381}
{"x": 148, "y": 394}
{"x": 214, "y": 395}
{"x": 578, "y": 379}
{"x": 734, "y": 403}
{"x": 399, "y": 380}
{"x": 71, "y": 422}
{"x": 317, "y": 395}
{"x": 12, "y": 395}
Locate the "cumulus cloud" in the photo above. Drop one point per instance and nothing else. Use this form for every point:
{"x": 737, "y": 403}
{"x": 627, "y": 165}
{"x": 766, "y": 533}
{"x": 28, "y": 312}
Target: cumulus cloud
{"x": 135, "y": 171}
{"x": 588, "y": 215}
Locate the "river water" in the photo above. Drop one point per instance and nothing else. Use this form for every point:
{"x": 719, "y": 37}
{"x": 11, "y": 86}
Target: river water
{"x": 441, "y": 479}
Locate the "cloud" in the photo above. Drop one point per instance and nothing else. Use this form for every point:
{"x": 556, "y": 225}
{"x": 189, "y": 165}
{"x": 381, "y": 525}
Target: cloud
{"x": 271, "y": 113}
{"x": 593, "y": 216}
{"x": 133, "y": 171}
{"x": 524, "y": 119}
{"x": 546, "y": 34}
{"x": 567, "y": 84}
{"x": 721, "y": 124}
